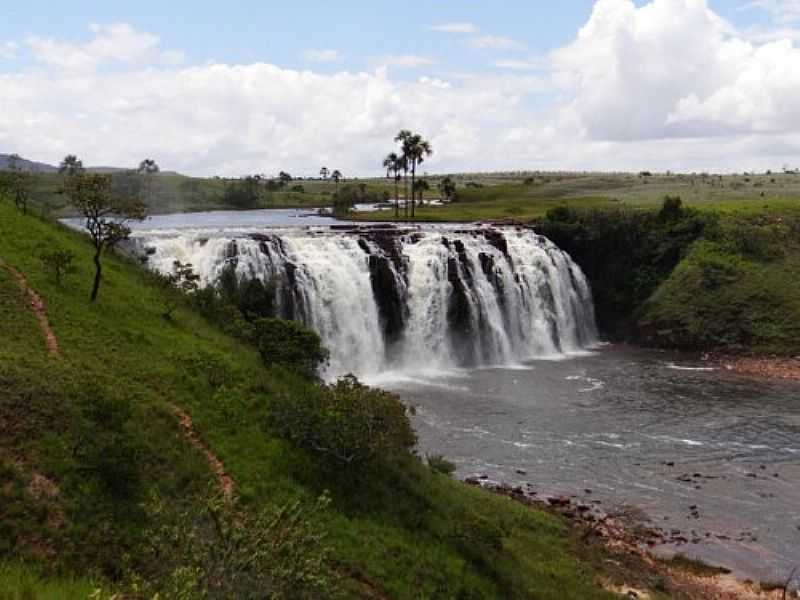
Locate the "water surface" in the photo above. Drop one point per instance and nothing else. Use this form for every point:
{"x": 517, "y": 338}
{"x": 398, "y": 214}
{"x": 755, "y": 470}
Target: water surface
{"x": 636, "y": 428}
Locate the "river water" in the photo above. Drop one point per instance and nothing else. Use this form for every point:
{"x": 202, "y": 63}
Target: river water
{"x": 704, "y": 454}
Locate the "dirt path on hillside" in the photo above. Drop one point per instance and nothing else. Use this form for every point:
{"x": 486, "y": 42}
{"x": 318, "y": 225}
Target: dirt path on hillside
{"x": 224, "y": 480}
{"x": 38, "y": 307}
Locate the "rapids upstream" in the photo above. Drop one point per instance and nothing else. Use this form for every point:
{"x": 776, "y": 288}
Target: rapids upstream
{"x": 490, "y": 333}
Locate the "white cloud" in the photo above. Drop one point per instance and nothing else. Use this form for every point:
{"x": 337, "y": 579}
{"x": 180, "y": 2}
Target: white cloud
{"x": 495, "y": 42}
{"x": 673, "y": 68}
{"x": 405, "y": 61}
{"x": 114, "y": 43}
{"x": 662, "y": 85}
{"x": 8, "y": 50}
{"x": 456, "y": 27}
{"x": 322, "y": 55}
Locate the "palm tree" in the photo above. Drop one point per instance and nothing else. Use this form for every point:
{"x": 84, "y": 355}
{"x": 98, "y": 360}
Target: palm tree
{"x": 394, "y": 164}
{"x": 324, "y": 172}
{"x": 71, "y": 165}
{"x": 336, "y": 176}
{"x": 416, "y": 149}
{"x": 403, "y": 136}
{"x": 148, "y": 167}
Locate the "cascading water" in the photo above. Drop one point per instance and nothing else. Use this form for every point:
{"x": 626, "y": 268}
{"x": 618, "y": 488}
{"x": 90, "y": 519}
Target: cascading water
{"x": 391, "y": 299}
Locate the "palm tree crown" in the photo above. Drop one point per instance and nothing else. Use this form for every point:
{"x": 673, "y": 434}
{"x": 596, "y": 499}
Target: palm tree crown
{"x": 148, "y": 166}
{"x": 71, "y": 165}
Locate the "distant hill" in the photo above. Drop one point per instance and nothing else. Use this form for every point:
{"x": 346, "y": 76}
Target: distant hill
{"x": 37, "y": 167}
{"x": 27, "y": 165}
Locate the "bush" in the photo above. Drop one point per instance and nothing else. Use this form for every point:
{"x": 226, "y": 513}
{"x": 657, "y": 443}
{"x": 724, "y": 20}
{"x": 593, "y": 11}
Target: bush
{"x": 348, "y": 424}
{"x": 671, "y": 208}
{"x": 59, "y": 264}
{"x": 291, "y": 345}
{"x": 439, "y": 464}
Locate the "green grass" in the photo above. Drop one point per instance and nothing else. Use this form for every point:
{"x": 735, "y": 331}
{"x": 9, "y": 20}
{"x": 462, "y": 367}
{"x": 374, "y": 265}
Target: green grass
{"x": 18, "y": 582}
{"x": 509, "y": 197}
{"x": 407, "y": 532}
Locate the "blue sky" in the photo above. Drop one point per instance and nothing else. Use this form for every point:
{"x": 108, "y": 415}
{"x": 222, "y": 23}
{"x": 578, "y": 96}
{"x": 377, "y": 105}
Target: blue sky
{"x": 204, "y": 85}
{"x": 363, "y": 32}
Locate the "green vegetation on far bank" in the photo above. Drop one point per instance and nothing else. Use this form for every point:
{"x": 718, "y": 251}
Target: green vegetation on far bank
{"x": 710, "y": 279}
{"x": 97, "y": 474}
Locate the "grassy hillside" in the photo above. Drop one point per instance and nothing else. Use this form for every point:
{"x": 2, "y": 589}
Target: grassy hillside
{"x": 734, "y": 290}
{"x": 720, "y": 278}
{"x": 90, "y": 440}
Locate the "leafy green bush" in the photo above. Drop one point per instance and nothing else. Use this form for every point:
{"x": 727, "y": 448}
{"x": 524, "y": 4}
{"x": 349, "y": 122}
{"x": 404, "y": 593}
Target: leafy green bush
{"x": 346, "y": 423}
{"x": 290, "y": 345}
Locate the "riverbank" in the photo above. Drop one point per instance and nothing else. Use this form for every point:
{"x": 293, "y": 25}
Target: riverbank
{"x": 633, "y": 569}
{"x": 762, "y": 367}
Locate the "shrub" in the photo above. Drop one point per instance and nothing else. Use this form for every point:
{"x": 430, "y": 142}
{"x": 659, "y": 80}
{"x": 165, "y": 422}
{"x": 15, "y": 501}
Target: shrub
{"x": 290, "y": 345}
{"x": 58, "y": 263}
{"x": 347, "y": 423}
{"x": 671, "y": 208}
{"x": 439, "y": 464}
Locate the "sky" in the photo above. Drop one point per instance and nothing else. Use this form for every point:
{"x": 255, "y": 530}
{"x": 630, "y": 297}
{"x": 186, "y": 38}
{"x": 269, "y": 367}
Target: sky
{"x": 242, "y": 87}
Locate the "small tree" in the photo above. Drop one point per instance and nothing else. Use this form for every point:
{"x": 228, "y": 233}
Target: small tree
{"x": 182, "y": 280}
{"x": 58, "y": 263}
{"x": 71, "y": 165}
{"x": 17, "y": 183}
{"x": 284, "y": 178}
{"x": 337, "y": 177}
{"x": 447, "y": 188}
{"x": 420, "y": 187}
{"x": 106, "y": 217}
{"x": 324, "y": 173}
{"x": 345, "y": 199}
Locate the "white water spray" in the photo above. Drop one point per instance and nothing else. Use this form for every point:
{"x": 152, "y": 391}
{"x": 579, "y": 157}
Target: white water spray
{"x": 406, "y": 300}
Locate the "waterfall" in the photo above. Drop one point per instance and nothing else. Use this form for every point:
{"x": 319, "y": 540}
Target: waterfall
{"x": 383, "y": 298}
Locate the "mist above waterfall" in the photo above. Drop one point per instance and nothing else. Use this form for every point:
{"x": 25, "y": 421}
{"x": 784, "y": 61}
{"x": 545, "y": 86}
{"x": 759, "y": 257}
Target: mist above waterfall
{"x": 413, "y": 300}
